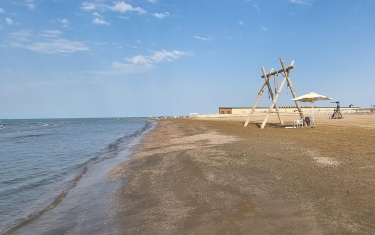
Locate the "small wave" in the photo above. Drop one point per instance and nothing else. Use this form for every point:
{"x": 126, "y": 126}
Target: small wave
{"x": 21, "y": 178}
{"x": 29, "y": 136}
{"x": 115, "y": 145}
{"x": 55, "y": 202}
{"x": 24, "y": 222}
{"x": 40, "y": 181}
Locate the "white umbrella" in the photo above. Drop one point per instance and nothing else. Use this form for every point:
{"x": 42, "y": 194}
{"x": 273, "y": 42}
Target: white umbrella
{"x": 311, "y": 97}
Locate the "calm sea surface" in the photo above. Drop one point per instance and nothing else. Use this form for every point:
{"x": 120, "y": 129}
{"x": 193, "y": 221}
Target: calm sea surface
{"x": 53, "y": 173}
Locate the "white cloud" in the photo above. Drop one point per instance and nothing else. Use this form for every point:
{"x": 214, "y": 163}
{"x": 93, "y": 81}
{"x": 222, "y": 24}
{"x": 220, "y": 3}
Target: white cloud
{"x": 124, "y": 7}
{"x": 263, "y": 28}
{"x": 65, "y": 23}
{"x": 152, "y": 1}
{"x": 302, "y": 2}
{"x": 203, "y": 39}
{"x": 99, "y": 21}
{"x": 163, "y": 55}
{"x": 97, "y": 14}
{"x": 140, "y": 59}
{"x": 86, "y": 6}
{"x": 241, "y": 23}
{"x": 30, "y": 4}
{"x": 161, "y": 15}
{"x": 48, "y": 41}
{"x": 1, "y": 10}
{"x": 256, "y": 7}
{"x": 143, "y": 63}
{"x": 9, "y": 21}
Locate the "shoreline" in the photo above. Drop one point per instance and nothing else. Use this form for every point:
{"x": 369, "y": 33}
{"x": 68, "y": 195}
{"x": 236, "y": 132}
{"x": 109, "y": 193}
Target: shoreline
{"x": 84, "y": 205}
{"x": 210, "y": 176}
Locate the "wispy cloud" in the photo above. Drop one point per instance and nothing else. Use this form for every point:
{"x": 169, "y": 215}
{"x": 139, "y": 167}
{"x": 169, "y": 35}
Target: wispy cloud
{"x": 25, "y": 3}
{"x": 153, "y": 1}
{"x": 256, "y": 7}
{"x": 8, "y": 21}
{"x": 124, "y": 17}
{"x": 1, "y": 10}
{"x": 124, "y": 7}
{"x": 143, "y": 63}
{"x": 203, "y": 39}
{"x": 30, "y": 4}
{"x": 240, "y": 22}
{"x": 50, "y": 33}
{"x": 99, "y": 19}
{"x": 302, "y": 2}
{"x": 263, "y": 28}
{"x": 48, "y": 41}
{"x": 87, "y": 6}
{"x": 22, "y": 35}
{"x": 161, "y": 15}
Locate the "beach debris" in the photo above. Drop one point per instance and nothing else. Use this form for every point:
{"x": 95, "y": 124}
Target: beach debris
{"x": 243, "y": 154}
{"x": 326, "y": 161}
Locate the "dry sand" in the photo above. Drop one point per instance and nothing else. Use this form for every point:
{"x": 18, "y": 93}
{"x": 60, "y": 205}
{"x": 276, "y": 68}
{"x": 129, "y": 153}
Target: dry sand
{"x": 214, "y": 176}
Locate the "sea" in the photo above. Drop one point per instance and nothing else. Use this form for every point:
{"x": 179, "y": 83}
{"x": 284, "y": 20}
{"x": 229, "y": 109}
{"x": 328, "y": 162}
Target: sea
{"x": 53, "y": 173}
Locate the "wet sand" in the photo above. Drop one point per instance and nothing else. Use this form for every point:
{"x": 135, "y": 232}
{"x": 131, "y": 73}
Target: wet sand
{"x": 214, "y": 176}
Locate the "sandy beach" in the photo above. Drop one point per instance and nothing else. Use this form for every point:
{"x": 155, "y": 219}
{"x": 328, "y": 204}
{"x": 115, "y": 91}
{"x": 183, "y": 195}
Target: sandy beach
{"x": 214, "y": 176}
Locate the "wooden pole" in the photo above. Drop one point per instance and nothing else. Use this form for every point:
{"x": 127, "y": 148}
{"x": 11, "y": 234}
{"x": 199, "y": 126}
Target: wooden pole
{"x": 273, "y": 103}
{"x": 292, "y": 90}
{"x": 272, "y": 96}
{"x": 281, "y": 70}
{"x": 260, "y": 93}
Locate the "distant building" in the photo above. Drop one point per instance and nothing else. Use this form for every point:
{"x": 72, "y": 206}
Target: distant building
{"x": 285, "y": 109}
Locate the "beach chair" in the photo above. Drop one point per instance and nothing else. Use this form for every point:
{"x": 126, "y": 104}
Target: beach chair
{"x": 298, "y": 123}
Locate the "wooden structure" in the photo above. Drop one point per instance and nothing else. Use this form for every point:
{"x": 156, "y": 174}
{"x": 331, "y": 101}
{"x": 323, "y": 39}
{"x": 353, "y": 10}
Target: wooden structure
{"x": 284, "y": 71}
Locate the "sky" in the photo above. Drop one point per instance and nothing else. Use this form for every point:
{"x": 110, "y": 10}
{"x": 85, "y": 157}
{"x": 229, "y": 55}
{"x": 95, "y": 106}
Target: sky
{"x": 141, "y": 58}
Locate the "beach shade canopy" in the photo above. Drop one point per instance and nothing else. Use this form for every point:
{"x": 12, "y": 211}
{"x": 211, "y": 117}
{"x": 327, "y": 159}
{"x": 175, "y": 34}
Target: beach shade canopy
{"x": 311, "y": 97}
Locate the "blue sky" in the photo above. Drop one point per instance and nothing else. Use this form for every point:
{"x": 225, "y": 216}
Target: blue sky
{"x": 72, "y": 58}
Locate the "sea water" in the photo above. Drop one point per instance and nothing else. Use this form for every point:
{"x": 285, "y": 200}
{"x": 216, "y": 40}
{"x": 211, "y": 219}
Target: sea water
{"x": 53, "y": 173}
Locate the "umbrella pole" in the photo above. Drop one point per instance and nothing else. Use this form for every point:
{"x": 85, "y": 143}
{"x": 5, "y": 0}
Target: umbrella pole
{"x": 313, "y": 118}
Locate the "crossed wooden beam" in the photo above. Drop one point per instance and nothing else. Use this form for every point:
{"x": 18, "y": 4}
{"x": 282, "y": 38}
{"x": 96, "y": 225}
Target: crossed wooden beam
{"x": 285, "y": 72}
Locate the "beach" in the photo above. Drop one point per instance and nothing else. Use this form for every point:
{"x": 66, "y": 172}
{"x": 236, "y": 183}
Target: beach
{"x": 215, "y": 176}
